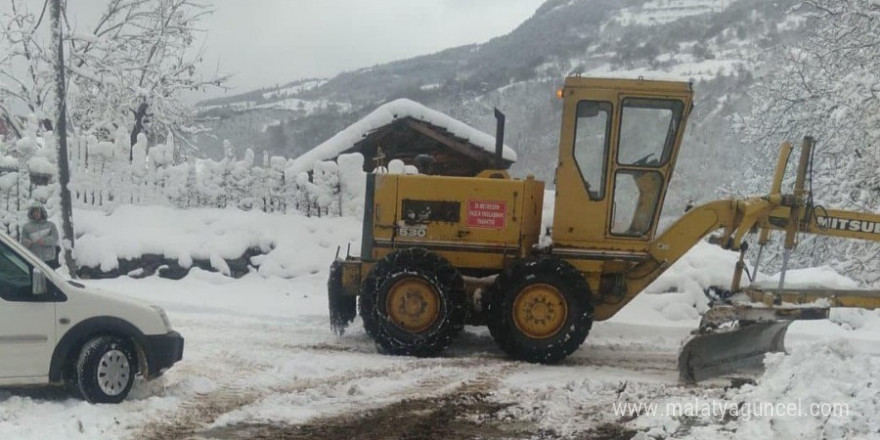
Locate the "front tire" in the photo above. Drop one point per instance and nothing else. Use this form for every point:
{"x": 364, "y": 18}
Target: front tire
{"x": 540, "y": 310}
{"x": 105, "y": 369}
{"x": 413, "y": 303}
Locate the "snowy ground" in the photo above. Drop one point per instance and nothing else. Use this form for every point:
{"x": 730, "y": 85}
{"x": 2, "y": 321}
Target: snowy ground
{"x": 261, "y": 362}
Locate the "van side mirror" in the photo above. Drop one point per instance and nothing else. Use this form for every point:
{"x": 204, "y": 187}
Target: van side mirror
{"x": 38, "y": 282}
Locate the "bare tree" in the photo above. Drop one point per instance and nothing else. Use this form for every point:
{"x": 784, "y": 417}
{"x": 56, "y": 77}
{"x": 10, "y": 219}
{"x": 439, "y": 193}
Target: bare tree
{"x": 828, "y": 85}
{"x": 25, "y": 73}
{"x": 130, "y": 69}
{"x": 140, "y": 56}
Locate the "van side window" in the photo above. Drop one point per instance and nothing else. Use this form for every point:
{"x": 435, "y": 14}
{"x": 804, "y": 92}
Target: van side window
{"x": 15, "y": 276}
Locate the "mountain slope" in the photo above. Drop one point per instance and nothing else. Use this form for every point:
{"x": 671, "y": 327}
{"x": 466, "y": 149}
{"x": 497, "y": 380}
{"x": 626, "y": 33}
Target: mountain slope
{"x": 715, "y": 43}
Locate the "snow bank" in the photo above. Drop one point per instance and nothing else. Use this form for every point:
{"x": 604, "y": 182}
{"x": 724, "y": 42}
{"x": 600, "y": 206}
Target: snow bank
{"x": 676, "y": 297}
{"x": 352, "y": 184}
{"x": 810, "y": 278}
{"x": 820, "y": 376}
{"x": 41, "y": 165}
{"x": 385, "y": 114}
{"x": 294, "y": 245}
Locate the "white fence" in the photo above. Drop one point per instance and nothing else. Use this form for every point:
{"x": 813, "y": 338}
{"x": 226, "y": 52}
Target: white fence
{"x": 107, "y": 174}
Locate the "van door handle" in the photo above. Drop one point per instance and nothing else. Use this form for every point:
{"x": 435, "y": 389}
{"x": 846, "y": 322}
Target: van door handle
{"x": 64, "y": 321}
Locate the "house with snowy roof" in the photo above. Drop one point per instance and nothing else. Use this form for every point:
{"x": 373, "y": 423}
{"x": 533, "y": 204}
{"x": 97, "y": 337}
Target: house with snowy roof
{"x": 409, "y": 131}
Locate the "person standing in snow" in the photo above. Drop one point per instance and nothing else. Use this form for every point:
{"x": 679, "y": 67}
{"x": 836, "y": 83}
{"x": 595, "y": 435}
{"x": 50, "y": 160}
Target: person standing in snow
{"x": 40, "y": 235}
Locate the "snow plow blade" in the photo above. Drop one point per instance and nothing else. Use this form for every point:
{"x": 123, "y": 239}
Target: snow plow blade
{"x": 742, "y": 350}
{"x": 343, "y": 307}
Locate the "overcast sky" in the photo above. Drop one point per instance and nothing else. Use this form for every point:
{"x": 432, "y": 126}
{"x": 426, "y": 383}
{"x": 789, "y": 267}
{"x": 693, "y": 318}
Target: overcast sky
{"x": 264, "y": 42}
{"x": 267, "y": 42}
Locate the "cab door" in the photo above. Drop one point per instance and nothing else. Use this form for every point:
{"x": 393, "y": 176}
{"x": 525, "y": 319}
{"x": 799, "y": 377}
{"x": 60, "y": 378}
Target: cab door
{"x": 587, "y": 140}
{"x": 649, "y": 132}
{"x": 27, "y": 322}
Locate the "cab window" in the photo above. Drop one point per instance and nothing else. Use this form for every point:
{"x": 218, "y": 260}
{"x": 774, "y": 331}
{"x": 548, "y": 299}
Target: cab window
{"x": 592, "y": 135}
{"x": 636, "y": 194}
{"x": 15, "y": 276}
{"x": 648, "y": 128}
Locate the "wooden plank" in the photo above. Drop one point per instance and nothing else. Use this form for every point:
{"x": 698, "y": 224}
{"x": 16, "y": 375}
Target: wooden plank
{"x": 459, "y": 147}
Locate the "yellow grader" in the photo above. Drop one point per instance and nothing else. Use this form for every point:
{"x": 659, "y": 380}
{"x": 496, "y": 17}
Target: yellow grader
{"x": 441, "y": 252}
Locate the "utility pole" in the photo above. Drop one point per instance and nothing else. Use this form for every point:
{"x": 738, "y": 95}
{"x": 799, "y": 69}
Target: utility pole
{"x": 61, "y": 133}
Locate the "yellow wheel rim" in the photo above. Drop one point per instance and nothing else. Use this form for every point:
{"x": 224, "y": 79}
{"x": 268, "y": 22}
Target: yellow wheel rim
{"x": 539, "y": 311}
{"x": 413, "y": 304}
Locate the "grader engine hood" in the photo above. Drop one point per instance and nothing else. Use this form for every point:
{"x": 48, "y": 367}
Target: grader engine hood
{"x": 473, "y": 222}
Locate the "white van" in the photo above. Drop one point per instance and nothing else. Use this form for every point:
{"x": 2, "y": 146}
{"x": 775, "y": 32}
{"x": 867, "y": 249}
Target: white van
{"x": 56, "y": 331}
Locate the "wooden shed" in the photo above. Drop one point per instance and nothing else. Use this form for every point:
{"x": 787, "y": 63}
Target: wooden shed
{"x": 415, "y": 134}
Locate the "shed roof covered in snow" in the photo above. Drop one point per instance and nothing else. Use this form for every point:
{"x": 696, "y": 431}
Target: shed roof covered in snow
{"x": 403, "y": 129}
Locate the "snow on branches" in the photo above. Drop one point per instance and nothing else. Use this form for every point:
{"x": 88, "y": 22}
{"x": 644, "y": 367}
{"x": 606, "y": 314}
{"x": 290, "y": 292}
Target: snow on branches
{"x": 827, "y": 85}
{"x": 130, "y": 68}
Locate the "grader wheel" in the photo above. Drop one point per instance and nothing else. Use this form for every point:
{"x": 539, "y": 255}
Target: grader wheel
{"x": 540, "y": 310}
{"x": 413, "y": 303}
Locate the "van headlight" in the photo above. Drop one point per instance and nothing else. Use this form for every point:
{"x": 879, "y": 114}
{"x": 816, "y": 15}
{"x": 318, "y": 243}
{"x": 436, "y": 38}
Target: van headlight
{"x": 164, "y": 316}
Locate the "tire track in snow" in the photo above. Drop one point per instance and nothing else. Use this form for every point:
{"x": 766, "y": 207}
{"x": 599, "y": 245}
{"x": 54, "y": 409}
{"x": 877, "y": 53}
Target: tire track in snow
{"x": 436, "y": 408}
{"x": 237, "y": 392}
{"x": 664, "y": 362}
{"x": 201, "y": 410}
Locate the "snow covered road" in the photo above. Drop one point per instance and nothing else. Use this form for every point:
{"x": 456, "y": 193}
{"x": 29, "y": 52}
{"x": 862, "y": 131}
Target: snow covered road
{"x": 250, "y": 372}
{"x": 273, "y": 365}
{"x": 270, "y": 368}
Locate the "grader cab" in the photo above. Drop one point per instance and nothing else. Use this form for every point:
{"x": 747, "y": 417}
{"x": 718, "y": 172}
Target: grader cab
{"x": 439, "y": 252}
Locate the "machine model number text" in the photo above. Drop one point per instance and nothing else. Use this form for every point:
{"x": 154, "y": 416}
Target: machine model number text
{"x": 413, "y": 231}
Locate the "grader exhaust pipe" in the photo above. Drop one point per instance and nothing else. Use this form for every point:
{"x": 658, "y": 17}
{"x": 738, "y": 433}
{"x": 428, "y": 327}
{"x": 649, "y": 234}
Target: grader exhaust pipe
{"x": 499, "y": 139}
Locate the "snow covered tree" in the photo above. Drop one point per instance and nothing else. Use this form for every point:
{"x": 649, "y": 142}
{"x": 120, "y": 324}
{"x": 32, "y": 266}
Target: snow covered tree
{"x": 276, "y": 185}
{"x": 130, "y": 69}
{"x": 25, "y": 66}
{"x": 827, "y": 85}
{"x": 138, "y": 60}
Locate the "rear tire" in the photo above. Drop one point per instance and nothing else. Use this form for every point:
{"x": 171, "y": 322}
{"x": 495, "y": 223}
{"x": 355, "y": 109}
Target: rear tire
{"x": 105, "y": 369}
{"x": 413, "y": 303}
{"x": 540, "y": 310}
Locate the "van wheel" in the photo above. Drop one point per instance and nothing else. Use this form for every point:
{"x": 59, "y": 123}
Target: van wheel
{"x": 540, "y": 310}
{"x": 413, "y": 303}
{"x": 105, "y": 369}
